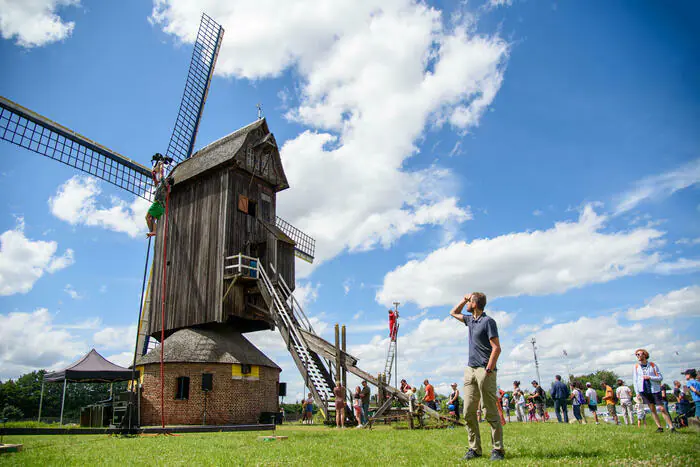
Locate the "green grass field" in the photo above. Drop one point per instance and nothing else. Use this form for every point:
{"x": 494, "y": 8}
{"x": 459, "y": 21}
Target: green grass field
{"x": 526, "y": 444}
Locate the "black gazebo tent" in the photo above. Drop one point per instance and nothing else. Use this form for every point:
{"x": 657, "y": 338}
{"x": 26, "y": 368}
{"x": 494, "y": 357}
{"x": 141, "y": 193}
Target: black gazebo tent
{"x": 92, "y": 368}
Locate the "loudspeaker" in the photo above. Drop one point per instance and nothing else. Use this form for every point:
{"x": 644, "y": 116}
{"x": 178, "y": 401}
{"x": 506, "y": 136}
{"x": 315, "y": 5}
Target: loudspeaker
{"x": 207, "y": 381}
{"x": 283, "y": 389}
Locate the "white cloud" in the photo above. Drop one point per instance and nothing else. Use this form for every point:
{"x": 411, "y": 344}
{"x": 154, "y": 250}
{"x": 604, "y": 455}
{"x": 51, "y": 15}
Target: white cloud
{"x": 566, "y": 256}
{"x": 347, "y": 284}
{"x": 367, "y": 96}
{"x": 76, "y": 202}
{"x": 682, "y": 302}
{"x": 688, "y": 241}
{"x": 490, "y": 4}
{"x": 23, "y": 261}
{"x": 124, "y": 359}
{"x": 660, "y": 186}
{"x": 601, "y": 343}
{"x": 358, "y": 315}
{"x": 306, "y": 293}
{"x": 72, "y": 293}
{"x": 31, "y": 341}
{"x": 528, "y": 328}
{"x": 537, "y": 212}
{"x": 122, "y": 337}
{"x": 34, "y": 23}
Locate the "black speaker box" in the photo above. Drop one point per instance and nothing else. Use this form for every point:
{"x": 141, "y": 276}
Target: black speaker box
{"x": 283, "y": 389}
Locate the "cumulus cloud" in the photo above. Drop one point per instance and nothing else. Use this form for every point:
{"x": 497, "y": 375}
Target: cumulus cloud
{"x": 366, "y": 98}
{"x": 23, "y": 261}
{"x": 568, "y": 255}
{"x": 683, "y": 302}
{"x": 601, "y": 343}
{"x": 660, "y": 186}
{"x": 35, "y": 23}
{"x": 76, "y": 202}
{"x": 32, "y": 341}
{"x": 120, "y": 337}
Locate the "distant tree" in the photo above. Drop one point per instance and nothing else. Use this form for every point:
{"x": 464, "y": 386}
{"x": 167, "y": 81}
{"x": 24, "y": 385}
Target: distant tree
{"x": 11, "y": 412}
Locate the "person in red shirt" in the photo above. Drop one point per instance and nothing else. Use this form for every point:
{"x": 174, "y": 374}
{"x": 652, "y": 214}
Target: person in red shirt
{"x": 429, "y": 397}
{"x": 393, "y": 324}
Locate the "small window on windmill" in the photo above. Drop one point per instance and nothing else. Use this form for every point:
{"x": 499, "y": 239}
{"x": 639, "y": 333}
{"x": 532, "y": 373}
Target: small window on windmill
{"x": 250, "y": 158}
{"x": 245, "y": 369}
{"x": 243, "y": 203}
{"x": 265, "y": 207}
{"x": 183, "y": 388}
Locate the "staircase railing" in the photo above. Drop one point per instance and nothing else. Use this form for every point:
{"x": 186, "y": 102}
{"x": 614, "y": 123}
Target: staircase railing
{"x": 316, "y": 377}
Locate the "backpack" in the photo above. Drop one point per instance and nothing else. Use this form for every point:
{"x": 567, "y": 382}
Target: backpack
{"x": 579, "y": 397}
{"x": 614, "y": 397}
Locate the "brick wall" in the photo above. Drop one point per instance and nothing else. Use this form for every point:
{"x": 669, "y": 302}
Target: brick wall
{"x": 232, "y": 401}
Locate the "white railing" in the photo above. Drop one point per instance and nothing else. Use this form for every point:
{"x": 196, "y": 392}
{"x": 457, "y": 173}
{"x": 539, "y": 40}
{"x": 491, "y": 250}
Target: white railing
{"x": 239, "y": 265}
{"x": 293, "y": 303}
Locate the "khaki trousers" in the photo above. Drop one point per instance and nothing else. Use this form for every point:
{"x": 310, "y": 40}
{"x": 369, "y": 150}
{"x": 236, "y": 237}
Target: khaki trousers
{"x": 480, "y": 389}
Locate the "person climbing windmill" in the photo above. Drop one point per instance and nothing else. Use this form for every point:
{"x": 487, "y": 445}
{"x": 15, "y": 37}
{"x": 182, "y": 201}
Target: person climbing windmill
{"x": 158, "y": 206}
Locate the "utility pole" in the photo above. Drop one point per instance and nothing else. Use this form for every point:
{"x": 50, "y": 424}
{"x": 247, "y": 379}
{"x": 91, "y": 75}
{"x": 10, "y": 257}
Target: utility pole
{"x": 396, "y": 355}
{"x": 566, "y": 362}
{"x": 537, "y": 365}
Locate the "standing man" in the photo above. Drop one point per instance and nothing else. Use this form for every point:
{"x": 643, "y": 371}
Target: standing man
{"x": 365, "y": 402}
{"x": 592, "y": 400}
{"x": 539, "y": 399}
{"x": 429, "y": 397}
{"x": 480, "y": 374}
{"x": 624, "y": 395}
{"x": 560, "y": 394}
{"x": 610, "y": 401}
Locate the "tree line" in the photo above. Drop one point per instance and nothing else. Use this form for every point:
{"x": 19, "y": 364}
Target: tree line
{"x": 19, "y": 399}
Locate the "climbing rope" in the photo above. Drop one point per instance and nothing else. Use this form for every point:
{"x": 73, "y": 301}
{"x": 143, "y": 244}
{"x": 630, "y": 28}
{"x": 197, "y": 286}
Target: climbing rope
{"x": 162, "y": 308}
{"x": 134, "y": 384}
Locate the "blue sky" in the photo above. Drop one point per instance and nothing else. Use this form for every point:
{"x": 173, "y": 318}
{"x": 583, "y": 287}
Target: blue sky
{"x": 545, "y": 153}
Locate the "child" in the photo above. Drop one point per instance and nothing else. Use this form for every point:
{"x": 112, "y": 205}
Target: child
{"x": 531, "y": 409}
{"x": 639, "y": 408}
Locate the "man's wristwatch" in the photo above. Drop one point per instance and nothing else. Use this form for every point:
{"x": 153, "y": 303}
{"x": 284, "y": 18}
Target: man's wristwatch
{"x": 489, "y": 371}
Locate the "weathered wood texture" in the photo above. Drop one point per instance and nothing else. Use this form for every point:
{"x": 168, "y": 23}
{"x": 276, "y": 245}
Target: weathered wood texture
{"x": 195, "y": 254}
{"x": 208, "y": 221}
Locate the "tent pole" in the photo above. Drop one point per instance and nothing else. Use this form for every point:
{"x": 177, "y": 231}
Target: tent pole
{"x": 41, "y": 399}
{"x": 63, "y": 401}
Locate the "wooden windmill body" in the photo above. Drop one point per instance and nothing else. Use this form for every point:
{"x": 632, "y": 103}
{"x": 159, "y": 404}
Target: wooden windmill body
{"x": 222, "y": 203}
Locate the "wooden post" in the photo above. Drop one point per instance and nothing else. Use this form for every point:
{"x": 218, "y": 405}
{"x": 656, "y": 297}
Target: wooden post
{"x": 337, "y": 353}
{"x": 343, "y": 372}
{"x": 41, "y": 398}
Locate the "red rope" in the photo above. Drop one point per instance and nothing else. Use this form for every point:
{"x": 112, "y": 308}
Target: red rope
{"x": 162, "y": 310}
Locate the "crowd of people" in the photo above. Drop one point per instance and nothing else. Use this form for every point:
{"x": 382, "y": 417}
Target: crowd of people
{"x": 482, "y": 397}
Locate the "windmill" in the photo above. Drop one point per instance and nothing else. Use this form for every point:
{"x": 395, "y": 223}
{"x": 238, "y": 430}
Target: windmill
{"x": 230, "y": 303}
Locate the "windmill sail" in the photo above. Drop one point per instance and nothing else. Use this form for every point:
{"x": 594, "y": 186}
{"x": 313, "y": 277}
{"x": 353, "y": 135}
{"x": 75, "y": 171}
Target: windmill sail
{"x": 204, "y": 55}
{"x": 32, "y": 131}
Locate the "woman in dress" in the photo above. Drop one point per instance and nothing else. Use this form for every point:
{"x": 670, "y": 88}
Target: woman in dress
{"x": 339, "y": 393}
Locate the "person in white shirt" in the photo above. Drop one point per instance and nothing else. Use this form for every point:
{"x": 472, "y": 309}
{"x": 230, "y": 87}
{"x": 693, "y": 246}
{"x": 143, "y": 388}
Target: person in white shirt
{"x": 624, "y": 395}
{"x": 592, "y": 399}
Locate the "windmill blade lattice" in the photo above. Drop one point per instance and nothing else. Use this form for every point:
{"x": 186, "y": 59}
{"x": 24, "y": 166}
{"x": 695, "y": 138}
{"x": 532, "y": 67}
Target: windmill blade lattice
{"x": 37, "y": 133}
{"x": 305, "y": 245}
{"x": 204, "y": 55}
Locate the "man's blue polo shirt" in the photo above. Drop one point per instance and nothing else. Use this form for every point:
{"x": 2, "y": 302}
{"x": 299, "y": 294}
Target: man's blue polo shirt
{"x": 481, "y": 331}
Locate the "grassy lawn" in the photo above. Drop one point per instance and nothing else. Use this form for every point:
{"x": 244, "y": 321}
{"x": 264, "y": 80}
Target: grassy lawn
{"x": 526, "y": 444}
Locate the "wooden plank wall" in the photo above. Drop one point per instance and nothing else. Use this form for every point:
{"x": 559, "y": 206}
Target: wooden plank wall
{"x": 197, "y": 214}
